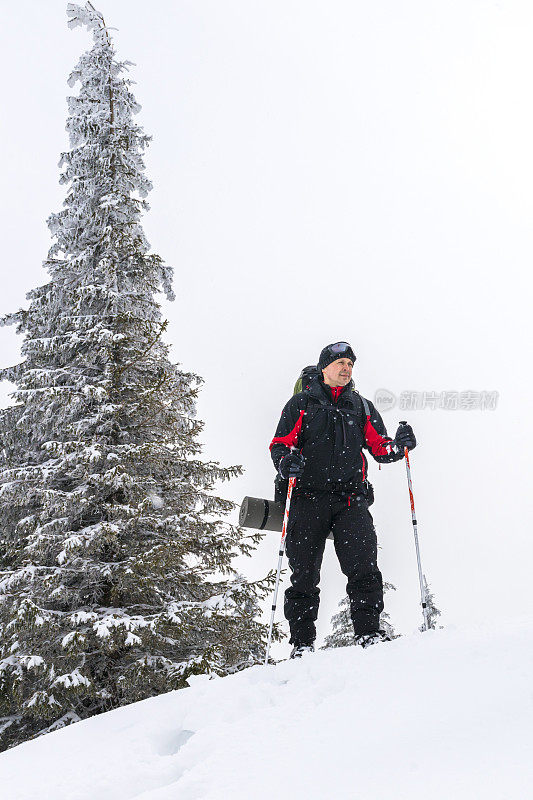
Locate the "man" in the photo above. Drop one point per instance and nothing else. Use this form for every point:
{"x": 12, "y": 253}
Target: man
{"x": 320, "y": 439}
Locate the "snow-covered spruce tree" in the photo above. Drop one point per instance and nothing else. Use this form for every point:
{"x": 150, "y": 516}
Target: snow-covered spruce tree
{"x": 342, "y": 634}
{"x": 116, "y": 581}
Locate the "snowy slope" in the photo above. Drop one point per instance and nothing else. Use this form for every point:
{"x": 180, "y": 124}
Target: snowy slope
{"x": 445, "y": 714}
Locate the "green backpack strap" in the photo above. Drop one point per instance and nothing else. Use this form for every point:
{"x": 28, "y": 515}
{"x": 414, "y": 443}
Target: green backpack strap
{"x": 366, "y": 410}
{"x": 366, "y": 407}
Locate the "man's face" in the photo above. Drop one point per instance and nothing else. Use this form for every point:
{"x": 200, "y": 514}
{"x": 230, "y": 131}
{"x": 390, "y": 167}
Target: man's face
{"x": 339, "y": 372}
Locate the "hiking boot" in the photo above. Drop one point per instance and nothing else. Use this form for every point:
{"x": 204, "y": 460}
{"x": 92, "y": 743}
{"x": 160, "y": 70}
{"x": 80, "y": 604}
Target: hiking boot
{"x": 368, "y": 639}
{"x": 299, "y": 649}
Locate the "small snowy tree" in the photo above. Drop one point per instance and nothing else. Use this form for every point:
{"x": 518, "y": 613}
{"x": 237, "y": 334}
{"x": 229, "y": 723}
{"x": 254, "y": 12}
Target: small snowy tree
{"x": 342, "y": 634}
{"x": 116, "y": 581}
{"x": 384, "y": 621}
{"x": 432, "y": 612}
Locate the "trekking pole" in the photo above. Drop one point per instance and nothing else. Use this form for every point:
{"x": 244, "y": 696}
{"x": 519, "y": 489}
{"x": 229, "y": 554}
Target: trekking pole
{"x": 292, "y": 481}
{"x": 417, "y": 548}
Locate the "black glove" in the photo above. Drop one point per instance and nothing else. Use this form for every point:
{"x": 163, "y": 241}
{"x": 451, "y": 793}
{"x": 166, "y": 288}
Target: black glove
{"x": 291, "y": 465}
{"x": 405, "y": 437}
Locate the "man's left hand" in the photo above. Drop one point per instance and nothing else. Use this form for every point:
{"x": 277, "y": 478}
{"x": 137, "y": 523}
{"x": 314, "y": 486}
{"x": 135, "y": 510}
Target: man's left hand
{"x": 405, "y": 437}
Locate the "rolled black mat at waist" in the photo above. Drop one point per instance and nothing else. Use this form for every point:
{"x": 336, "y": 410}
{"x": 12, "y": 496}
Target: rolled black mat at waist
{"x": 262, "y": 514}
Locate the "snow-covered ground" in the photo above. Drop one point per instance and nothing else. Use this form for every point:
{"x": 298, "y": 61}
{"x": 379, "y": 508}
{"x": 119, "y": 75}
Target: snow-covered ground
{"x": 447, "y": 714}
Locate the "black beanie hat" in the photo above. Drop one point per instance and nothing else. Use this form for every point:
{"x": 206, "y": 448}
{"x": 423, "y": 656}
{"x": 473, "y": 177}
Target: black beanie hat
{"x": 334, "y": 351}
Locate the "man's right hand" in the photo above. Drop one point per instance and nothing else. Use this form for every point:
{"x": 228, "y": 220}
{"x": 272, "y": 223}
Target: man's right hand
{"x": 292, "y": 465}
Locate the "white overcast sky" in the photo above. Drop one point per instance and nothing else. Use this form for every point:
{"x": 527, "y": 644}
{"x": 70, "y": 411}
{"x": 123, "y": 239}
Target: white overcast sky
{"x": 325, "y": 171}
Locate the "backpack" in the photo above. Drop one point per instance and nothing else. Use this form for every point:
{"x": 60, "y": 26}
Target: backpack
{"x": 307, "y": 375}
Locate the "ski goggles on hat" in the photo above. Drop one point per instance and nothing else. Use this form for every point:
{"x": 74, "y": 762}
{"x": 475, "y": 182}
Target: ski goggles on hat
{"x": 339, "y": 347}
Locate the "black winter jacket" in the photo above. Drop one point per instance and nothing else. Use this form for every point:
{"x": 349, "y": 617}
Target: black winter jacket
{"x": 331, "y": 435}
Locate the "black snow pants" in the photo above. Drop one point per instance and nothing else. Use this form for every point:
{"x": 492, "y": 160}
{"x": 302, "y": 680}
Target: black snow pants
{"x": 312, "y": 516}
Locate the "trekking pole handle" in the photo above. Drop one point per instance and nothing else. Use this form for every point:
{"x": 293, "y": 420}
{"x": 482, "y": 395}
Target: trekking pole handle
{"x": 405, "y": 450}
